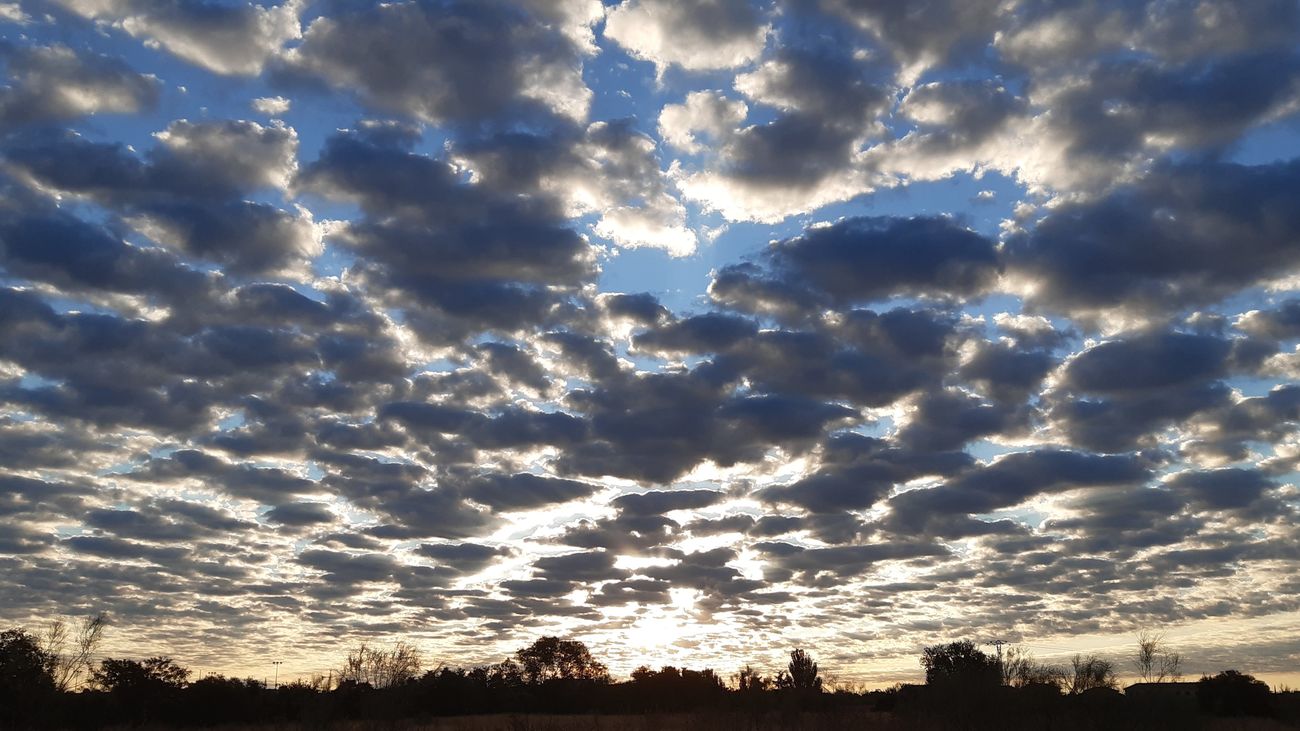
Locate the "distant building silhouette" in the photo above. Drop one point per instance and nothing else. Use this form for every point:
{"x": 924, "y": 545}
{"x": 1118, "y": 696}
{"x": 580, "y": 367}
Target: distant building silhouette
{"x": 1163, "y": 693}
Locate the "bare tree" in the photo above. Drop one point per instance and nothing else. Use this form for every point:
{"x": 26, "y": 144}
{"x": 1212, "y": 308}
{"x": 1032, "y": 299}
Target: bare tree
{"x": 1154, "y": 661}
{"x": 1091, "y": 672}
{"x": 381, "y": 668}
{"x": 1019, "y": 669}
{"x": 1016, "y": 662}
{"x": 74, "y": 656}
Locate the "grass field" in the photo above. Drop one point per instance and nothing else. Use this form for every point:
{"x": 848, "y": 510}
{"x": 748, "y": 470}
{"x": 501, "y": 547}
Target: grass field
{"x": 837, "y": 721}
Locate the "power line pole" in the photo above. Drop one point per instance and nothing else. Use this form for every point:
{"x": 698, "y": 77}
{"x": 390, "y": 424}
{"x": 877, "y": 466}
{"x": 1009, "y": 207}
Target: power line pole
{"x": 277, "y": 664}
{"x": 998, "y": 644}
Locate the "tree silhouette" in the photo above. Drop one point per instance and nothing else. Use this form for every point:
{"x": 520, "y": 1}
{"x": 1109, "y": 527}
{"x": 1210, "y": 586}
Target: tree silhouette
{"x": 551, "y": 658}
{"x": 959, "y": 662}
{"x": 73, "y": 663}
{"x": 1231, "y": 693}
{"x": 1021, "y": 670}
{"x": 26, "y": 676}
{"x": 1154, "y": 661}
{"x": 801, "y": 673}
{"x": 381, "y": 668}
{"x": 749, "y": 680}
{"x": 1091, "y": 672}
{"x": 152, "y": 674}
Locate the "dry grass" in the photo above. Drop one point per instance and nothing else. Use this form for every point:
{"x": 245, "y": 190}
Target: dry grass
{"x": 721, "y": 721}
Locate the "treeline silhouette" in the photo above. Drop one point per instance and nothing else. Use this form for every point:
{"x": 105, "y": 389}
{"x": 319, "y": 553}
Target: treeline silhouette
{"x": 52, "y": 681}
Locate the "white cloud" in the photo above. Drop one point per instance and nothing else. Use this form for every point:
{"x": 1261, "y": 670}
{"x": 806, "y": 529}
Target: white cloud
{"x": 696, "y": 35}
{"x": 703, "y": 112}
{"x": 271, "y": 105}
{"x": 225, "y": 39}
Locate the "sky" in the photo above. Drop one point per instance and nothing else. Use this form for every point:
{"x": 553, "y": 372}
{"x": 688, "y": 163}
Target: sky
{"x": 694, "y": 330}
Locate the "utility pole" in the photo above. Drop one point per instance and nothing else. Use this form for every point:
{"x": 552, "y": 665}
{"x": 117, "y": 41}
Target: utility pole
{"x": 998, "y": 644}
{"x": 277, "y": 664}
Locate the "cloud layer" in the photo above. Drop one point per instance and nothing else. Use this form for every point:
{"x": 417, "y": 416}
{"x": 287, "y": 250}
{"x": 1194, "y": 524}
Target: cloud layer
{"x": 509, "y": 318}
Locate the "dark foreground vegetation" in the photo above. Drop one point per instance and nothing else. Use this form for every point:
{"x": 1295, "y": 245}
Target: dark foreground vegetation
{"x": 53, "y": 682}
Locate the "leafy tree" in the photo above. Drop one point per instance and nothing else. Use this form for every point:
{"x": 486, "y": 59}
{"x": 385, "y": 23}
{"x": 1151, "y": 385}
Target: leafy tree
{"x": 801, "y": 673}
{"x": 551, "y": 658}
{"x": 151, "y": 674}
{"x": 1091, "y": 672}
{"x": 959, "y": 662}
{"x": 1154, "y": 661}
{"x": 503, "y": 675}
{"x": 1231, "y": 693}
{"x": 26, "y": 676}
{"x": 23, "y": 663}
{"x": 750, "y": 680}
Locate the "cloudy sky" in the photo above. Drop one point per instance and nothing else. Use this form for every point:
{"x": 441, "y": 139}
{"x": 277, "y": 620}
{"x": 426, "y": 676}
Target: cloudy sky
{"x": 694, "y": 329}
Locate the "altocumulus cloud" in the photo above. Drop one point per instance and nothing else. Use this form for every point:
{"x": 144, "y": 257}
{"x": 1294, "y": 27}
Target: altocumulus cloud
{"x": 506, "y": 318}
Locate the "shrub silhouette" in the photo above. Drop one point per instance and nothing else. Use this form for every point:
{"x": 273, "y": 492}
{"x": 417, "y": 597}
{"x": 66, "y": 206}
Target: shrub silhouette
{"x": 959, "y": 663}
{"x": 1231, "y": 693}
{"x": 26, "y": 677}
{"x": 142, "y": 690}
{"x": 749, "y": 680}
{"x": 1091, "y": 673}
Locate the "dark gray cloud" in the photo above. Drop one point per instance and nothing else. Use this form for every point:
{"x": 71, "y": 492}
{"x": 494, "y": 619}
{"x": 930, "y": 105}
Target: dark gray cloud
{"x": 643, "y": 308}
{"x": 524, "y": 491}
{"x": 841, "y": 562}
{"x": 463, "y": 558}
{"x": 463, "y": 62}
{"x": 1156, "y": 247}
{"x": 1222, "y": 489}
{"x": 459, "y": 258}
{"x": 1203, "y": 104}
{"x": 1282, "y": 323}
{"x": 301, "y": 515}
{"x": 826, "y": 106}
{"x": 658, "y": 502}
{"x": 657, "y": 426}
{"x": 856, "y": 473}
{"x": 1009, "y": 481}
{"x": 860, "y": 260}
{"x": 579, "y": 567}
{"x": 699, "y": 334}
{"x": 946, "y": 420}
{"x": 922, "y": 36}
{"x": 1126, "y": 519}
{"x": 1005, "y": 372}
{"x": 168, "y": 520}
{"x": 55, "y": 83}
{"x": 1115, "y": 395}
{"x": 1226, "y": 431}
{"x": 609, "y": 169}
{"x": 346, "y": 570}
{"x": 188, "y": 192}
